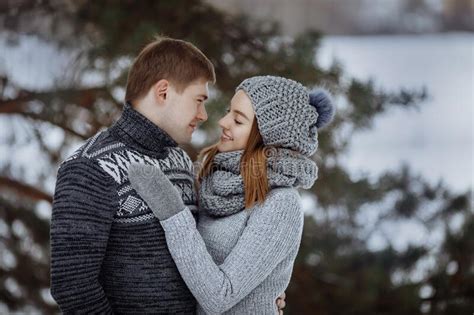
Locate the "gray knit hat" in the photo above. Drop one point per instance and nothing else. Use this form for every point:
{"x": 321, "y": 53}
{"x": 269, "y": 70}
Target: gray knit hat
{"x": 288, "y": 115}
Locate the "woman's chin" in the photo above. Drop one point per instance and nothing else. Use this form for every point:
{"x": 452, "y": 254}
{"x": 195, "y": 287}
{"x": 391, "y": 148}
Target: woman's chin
{"x": 221, "y": 147}
{"x": 224, "y": 147}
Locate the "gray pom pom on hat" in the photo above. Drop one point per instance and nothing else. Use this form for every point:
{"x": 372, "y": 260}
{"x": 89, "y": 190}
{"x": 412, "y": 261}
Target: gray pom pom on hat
{"x": 322, "y": 101}
{"x": 287, "y": 114}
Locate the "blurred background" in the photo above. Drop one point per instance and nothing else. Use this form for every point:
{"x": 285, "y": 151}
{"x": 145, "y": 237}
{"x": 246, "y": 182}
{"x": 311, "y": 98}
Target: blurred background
{"x": 389, "y": 224}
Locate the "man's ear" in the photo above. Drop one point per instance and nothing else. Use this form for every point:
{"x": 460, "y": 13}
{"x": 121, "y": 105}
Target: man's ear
{"x": 161, "y": 90}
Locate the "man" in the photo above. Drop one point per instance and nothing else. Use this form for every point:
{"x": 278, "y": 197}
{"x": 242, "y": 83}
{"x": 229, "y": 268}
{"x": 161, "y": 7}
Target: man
{"x": 108, "y": 252}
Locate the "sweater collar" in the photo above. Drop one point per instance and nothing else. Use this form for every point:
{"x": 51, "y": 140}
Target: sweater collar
{"x": 138, "y": 132}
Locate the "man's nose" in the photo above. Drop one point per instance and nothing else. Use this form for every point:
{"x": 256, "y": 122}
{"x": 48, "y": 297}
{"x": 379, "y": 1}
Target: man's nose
{"x": 202, "y": 114}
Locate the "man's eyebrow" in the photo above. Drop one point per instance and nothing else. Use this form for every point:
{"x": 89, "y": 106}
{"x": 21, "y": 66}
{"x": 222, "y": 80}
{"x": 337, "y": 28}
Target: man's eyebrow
{"x": 240, "y": 113}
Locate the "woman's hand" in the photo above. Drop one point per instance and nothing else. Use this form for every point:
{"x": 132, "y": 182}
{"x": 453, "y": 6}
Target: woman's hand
{"x": 281, "y": 303}
{"x": 156, "y": 189}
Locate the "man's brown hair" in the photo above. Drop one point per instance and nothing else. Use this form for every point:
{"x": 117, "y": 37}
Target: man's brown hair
{"x": 175, "y": 60}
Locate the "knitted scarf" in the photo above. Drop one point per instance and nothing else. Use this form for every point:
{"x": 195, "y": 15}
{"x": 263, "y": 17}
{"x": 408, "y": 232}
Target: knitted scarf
{"x": 222, "y": 192}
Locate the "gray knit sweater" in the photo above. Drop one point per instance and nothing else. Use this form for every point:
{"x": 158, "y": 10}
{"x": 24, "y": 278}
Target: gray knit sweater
{"x": 241, "y": 263}
{"x": 108, "y": 251}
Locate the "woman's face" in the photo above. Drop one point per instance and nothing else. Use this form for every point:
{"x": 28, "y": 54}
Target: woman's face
{"x": 236, "y": 124}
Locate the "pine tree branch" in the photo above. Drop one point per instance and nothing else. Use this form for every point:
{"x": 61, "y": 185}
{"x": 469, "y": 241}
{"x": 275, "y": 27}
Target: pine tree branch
{"x": 25, "y": 189}
{"x": 82, "y": 97}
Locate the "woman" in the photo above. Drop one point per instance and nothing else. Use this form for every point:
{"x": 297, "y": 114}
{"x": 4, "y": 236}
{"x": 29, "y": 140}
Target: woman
{"x": 239, "y": 258}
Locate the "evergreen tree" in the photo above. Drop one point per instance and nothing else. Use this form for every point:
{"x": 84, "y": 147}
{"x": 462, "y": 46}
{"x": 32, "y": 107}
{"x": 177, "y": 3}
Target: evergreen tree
{"x": 336, "y": 272}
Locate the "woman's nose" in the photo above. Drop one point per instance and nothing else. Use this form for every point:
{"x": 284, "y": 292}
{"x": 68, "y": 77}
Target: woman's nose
{"x": 223, "y": 122}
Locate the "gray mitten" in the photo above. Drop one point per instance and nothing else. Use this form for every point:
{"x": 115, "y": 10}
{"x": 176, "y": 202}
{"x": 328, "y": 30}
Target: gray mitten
{"x": 156, "y": 189}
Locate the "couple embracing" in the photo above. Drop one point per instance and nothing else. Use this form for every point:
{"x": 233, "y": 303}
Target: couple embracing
{"x": 134, "y": 231}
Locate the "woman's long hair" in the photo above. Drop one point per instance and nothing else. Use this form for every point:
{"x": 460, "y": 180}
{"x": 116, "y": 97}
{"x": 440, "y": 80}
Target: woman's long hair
{"x": 253, "y": 167}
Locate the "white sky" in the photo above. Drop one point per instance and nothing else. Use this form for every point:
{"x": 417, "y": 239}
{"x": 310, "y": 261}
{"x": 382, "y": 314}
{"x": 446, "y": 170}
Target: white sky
{"x": 437, "y": 141}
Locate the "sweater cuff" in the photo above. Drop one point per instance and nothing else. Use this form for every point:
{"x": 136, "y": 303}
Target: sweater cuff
{"x": 179, "y": 223}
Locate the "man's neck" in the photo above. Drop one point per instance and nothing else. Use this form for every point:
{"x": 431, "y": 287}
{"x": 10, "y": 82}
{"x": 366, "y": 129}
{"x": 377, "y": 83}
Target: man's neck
{"x": 138, "y": 132}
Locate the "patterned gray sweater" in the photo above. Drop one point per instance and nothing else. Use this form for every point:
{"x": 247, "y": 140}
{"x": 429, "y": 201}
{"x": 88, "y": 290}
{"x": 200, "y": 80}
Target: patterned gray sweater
{"x": 108, "y": 251}
{"x": 238, "y": 264}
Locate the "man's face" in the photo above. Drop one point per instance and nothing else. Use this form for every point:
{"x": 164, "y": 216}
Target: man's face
{"x": 183, "y": 111}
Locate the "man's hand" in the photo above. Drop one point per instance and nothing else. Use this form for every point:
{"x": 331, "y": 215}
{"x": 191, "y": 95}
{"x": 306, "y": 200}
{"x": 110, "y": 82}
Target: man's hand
{"x": 280, "y": 301}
